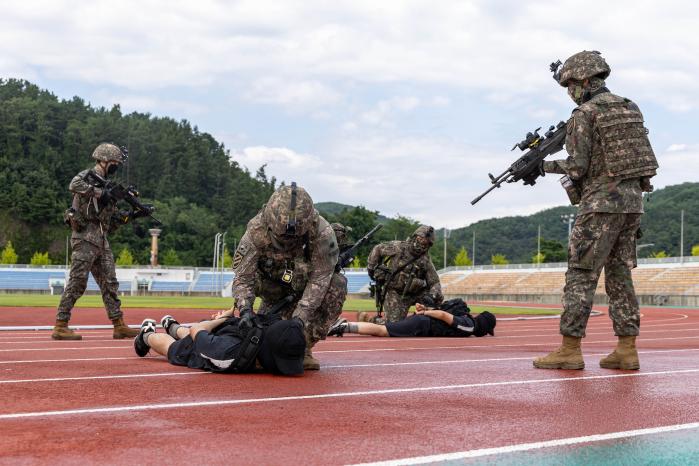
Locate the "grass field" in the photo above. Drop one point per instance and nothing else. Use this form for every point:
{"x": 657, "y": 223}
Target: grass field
{"x": 206, "y": 302}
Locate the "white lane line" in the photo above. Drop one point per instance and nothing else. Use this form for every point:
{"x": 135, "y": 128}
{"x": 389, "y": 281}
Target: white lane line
{"x": 533, "y": 446}
{"x": 102, "y": 377}
{"x": 518, "y": 345}
{"x": 337, "y": 366}
{"x": 72, "y": 348}
{"x": 59, "y": 342}
{"x": 408, "y": 348}
{"x": 363, "y": 339}
{"x": 29, "y": 361}
{"x": 228, "y": 402}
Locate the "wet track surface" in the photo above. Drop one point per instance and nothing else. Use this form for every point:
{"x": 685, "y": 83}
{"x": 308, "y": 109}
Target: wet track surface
{"x": 375, "y": 399}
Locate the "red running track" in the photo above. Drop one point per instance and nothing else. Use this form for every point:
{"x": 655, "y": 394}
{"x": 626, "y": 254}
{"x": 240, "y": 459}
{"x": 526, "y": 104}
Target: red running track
{"x": 375, "y": 399}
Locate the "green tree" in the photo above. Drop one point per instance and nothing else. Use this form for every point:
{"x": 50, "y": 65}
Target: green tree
{"x": 125, "y": 258}
{"x": 695, "y": 250}
{"x": 9, "y": 256}
{"x": 498, "y": 259}
{"x": 40, "y": 259}
{"x": 553, "y": 251}
{"x": 538, "y": 258}
{"x": 462, "y": 258}
{"x": 171, "y": 258}
{"x": 356, "y": 263}
{"x": 227, "y": 259}
{"x": 658, "y": 255}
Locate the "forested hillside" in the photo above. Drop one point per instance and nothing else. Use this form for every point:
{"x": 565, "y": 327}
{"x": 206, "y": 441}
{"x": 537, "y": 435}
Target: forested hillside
{"x": 45, "y": 141}
{"x": 199, "y": 191}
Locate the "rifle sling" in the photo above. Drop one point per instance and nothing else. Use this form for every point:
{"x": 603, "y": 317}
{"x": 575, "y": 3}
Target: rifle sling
{"x": 392, "y": 276}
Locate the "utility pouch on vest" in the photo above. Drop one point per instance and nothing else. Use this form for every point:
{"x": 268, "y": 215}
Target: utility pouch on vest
{"x": 627, "y": 150}
{"x": 572, "y": 189}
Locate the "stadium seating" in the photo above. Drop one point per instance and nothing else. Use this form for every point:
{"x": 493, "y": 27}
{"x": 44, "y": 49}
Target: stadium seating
{"x": 28, "y": 279}
{"x": 209, "y": 281}
{"x": 357, "y": 282}
{"x": 182, "y": 287}
{"x": 682, "y": 280}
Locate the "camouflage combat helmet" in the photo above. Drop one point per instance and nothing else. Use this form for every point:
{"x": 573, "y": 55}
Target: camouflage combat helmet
{"x": 341, "y": 232}
{"x": 108, "y": 152}
{"x": 425, "y": 231}
{"x": 422, "y": 239}
{"x": 583, "y": 65}
{"x": 289, "y": 213}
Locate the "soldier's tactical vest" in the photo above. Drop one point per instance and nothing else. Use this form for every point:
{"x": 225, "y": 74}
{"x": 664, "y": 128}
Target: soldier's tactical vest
{"x": 627, "y": 150}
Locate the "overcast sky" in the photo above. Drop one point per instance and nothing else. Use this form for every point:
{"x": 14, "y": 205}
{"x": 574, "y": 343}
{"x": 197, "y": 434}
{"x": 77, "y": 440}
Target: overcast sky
{"x": 400, "y": 106}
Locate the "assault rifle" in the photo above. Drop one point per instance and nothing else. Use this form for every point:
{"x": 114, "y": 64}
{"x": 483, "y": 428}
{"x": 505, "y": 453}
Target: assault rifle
{"x": 528, "y": 166}
{"x": 127, "y": 194}
{"x": 347, "y": 257}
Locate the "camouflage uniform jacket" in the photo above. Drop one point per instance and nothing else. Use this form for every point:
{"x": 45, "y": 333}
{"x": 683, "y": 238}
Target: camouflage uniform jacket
{"x": 260, "y": 267}
{"x": 586, "y": 165}
{"x": 417, "y": 278}
{"x": 99, "y": 220}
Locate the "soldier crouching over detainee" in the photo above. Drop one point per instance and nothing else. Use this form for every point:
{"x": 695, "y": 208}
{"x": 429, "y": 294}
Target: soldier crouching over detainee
{"x": 452, "y": 320}
{"x": 224, "y": 345}
{"x": 288, "y": 257}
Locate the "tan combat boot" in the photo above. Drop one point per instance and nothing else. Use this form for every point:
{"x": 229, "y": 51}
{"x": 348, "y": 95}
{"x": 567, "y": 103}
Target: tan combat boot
{"x": 624, "y": 355}
{"x": 121, "y": 330}
{"x": 61, "y": 331}
{"x": 363, "y": 316}
{"x": 309, "y": 362}
{"x": 567, "y": 356}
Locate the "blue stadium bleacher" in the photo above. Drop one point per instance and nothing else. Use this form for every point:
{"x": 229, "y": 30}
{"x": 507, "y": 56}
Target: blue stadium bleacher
{"x": 356, "y": 281}
{"x": 170, "y": 286}
{"x": 209, "y": 281}
{"x": 15, "y": 279}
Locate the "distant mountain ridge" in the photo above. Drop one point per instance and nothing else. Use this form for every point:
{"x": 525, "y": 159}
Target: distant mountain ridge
{"x": 516, "y": 236}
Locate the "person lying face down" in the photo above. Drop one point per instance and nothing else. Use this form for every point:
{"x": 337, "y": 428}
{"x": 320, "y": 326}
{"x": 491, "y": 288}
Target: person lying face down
{"x": 227, "y": 344}
{"x": 453, "y": 319}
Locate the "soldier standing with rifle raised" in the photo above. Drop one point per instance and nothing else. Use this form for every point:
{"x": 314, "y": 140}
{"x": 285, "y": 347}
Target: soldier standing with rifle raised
{"x": 91, "y": 217}
{"x": 608, "y": 168}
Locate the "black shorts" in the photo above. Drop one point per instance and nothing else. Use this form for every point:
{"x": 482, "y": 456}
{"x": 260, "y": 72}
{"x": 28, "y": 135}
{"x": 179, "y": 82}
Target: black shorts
{"x": 415, "y": 326}
{"x": 209, "y": 352}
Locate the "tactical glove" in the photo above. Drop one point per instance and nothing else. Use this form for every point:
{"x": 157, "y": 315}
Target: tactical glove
{"x": 247, "y": 319}
{"x": 416, "y": 284}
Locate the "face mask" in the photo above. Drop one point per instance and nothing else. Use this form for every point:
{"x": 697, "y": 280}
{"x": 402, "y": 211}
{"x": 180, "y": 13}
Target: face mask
{"x": 576, "y": 92}
{"x": 420, "y": 245}
{"x": 112, "y": 170}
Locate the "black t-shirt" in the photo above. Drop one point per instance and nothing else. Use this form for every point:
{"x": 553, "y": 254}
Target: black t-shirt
{"x": 462, "y": 326}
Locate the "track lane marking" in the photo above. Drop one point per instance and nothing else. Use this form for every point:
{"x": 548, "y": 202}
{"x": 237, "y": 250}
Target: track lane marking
{"x": 337, "y": 366}
{"x": 228, "y": 402}
{"x": 409, "y": 348}
{"x": 533, "y": 446}
{"x": 26, "y": 361}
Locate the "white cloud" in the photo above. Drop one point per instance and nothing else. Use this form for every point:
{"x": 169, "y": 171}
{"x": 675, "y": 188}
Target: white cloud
{"x": 501, "y": 48}
{"x": 277, "y": 159}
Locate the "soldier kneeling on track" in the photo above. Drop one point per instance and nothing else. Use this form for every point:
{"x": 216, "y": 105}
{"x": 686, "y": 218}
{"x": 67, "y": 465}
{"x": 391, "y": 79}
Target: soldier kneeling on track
{"x": 224, "y": 345}
{"x": 453, "y": 319}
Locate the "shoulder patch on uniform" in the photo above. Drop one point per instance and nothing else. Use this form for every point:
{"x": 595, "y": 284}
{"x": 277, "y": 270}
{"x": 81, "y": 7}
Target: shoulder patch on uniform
{"x": 239, "y": 255}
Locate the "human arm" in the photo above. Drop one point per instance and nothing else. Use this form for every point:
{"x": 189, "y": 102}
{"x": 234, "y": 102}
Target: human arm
{"x": 207, "y": 325}
{"x": 79, "y": 186}
{"x": 579, "y": 147}
{"x": 323, "y": 258}
{"x": 434, "y": 313}
{"x": 245, "y": 268}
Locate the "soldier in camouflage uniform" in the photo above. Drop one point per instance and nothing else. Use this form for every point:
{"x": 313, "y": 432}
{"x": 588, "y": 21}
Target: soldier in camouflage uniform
{"x": 405, "y": 273}
{"x": 610, "y": 163}
{"x": 92, "y": 216}
{"x": 288, "y": 249}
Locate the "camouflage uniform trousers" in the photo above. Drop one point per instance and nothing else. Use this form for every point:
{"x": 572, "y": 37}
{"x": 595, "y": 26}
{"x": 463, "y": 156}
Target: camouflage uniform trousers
{"x": 87, "y": 258}
{"x": 396, "y": 306}
{"x": 318, "y": 324}
{"x": 601, "y": 240}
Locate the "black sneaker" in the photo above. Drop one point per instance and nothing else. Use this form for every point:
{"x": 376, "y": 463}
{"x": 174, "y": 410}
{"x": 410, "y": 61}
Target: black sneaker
{"x": 338, "y": 328}
{"x": 139, "y": 344}
{"x": 166, "y": 322}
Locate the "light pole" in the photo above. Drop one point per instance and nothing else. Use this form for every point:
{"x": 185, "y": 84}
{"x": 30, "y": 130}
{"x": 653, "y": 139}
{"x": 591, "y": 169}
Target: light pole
{"x": 641, "y": 246}
{"x": 473, "y": 249}
{"x": 446, "y": 236}
{"x": 569, "y": 219}
{"x": 682, "y": 236}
